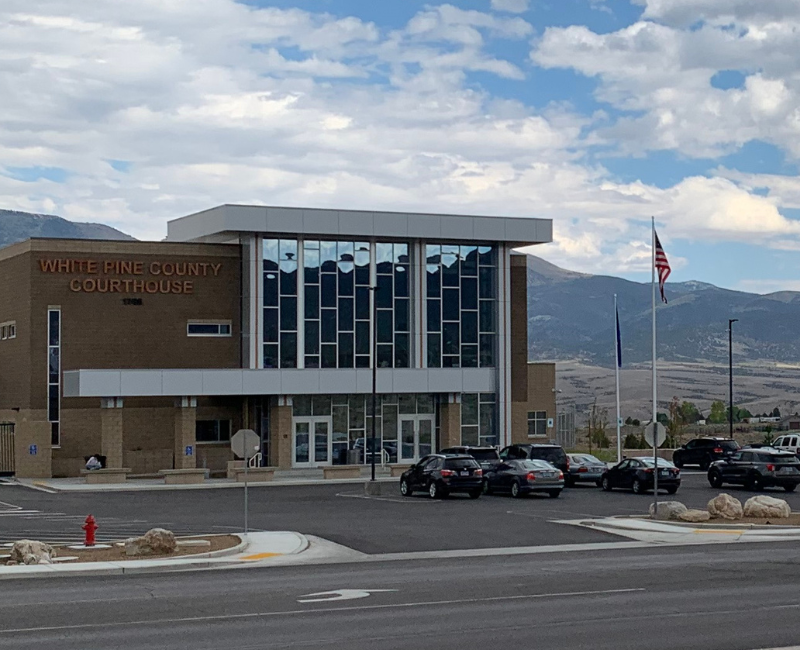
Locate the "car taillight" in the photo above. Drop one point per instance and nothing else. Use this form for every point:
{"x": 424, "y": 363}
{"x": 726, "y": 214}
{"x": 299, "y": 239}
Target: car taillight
{"x": 649, "y": 470}
{"x": 561, "y": 475}
{"x": 478, "y": 472}
{"x": 447, "y": 472}
{"x": 567, "y": 464}
{"x": 718, "y": 450}
{"x": 531, "y": 476}
{"x": 770, "y": 468}
{"x": 583, "y": 470}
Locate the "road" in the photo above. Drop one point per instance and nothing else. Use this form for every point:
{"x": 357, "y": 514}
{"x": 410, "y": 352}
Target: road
{"x": 714, "y": 597}
{"x": 341, "y": 514}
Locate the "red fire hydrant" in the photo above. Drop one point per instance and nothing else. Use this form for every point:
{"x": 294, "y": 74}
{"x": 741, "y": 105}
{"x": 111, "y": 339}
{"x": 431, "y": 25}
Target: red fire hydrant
{"x": 90, "y": 526}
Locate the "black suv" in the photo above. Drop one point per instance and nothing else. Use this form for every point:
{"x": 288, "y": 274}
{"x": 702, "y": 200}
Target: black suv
{"x": 553, "y": 454}
{"x": 443, "y": 474}
{"x": 704, "y": 451}
{"x": 757, "y": 469}
{"x": 487, "y": 457}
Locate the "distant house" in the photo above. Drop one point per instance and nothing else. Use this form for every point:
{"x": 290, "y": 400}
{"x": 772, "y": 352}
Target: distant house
{"x": 791, "y": 423}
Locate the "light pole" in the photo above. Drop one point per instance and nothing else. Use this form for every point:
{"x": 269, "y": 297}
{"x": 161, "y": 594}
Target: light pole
{"x": 731, "y": 321}
{"x": 374, "y": 291}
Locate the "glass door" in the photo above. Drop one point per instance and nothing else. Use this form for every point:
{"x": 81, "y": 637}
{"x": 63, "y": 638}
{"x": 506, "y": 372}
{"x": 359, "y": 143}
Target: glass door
{"x": 311, "y": 444}
{"x": 416, "y": 437}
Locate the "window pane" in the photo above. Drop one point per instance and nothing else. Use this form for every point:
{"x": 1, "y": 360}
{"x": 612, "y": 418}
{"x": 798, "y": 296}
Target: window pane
{"x": 312, "y": 337}
{"x": 270, "y": 326}
{"x": 288, "y": 350}
{"x": 329, "y": 326}
{"x": 450, "y": 273}
{"x": 434, "y": 316}
{"x": 312, "y": 302}
{"x": 487, "y": 255}
{"x": 345, "y": 314}
{"x": 328, "y": 297}
{"x": 469, "y": 435}
{"x": 362, "y": 303}
{"x": 301, "y": 406}
{"x": 400, "y": 254}
{"x": 487, "y": 316}
{"x": 54, "y": 319}
{"x": 312, "y": 361}
{"x": 401, "y": 281}
{"x": 329, "y": 356}
{"x": 270, "y": 253}
{"x": 385, "y": 295}
{"x": 450, "y": 305}
{"x": 434, "y": 351}
{"x": 288, "y": 314}
{"x": 487, "y": 350}
{"x": 363, "y": 362}
{"x": 434, "y": 281}
{"x": 311, "y": 264}
{"x": 385, "y": 329}
{"x": 469, "y": 408}
{"x": 327, "y": 253}
{"x": 207, "y": 329}
{"x": 469, "y": 293}
{"x": 469, "y": 327}
{"x": 450, "y": 338}
{"x": 288, "y": 278}
{"x": 288, "y": 249}
{"x": 53, "y": 365}
{"x": 52, "y": 403}
{"x": 346, "y": 351}
{"x": 362, "y": 337}
{"x": 469, "y": 356}
{"x": 487, "y": 283}
{"x": 401, "y": 351}
{"x": 401, "y": 315}
{"x": 270, "y": 289}
{"x": 469, "y": 260}
{"x": 385, "y": 356}
{"x": 451, "y": 361}
{"x": 433, "y": 253}
{"x": 271, "y": 356}
{"x": 346, "y": 278}
{"x": 321, "y": 405}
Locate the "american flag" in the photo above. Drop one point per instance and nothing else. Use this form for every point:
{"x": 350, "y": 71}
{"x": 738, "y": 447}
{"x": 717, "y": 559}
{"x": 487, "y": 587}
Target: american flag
{"x": 662, "y": 266}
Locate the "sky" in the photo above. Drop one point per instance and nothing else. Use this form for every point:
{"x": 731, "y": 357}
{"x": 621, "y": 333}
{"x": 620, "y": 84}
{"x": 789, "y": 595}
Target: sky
{"x": 598, "y": 114}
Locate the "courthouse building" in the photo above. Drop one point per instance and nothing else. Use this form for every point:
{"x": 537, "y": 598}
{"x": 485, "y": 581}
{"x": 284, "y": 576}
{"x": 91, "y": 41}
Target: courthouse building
{"x": 153, "y": 353}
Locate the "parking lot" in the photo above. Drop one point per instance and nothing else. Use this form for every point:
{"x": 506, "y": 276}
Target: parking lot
{"x": 341, "y": 513}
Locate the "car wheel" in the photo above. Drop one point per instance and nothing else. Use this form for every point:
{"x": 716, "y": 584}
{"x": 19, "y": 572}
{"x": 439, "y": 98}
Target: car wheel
{"x": 599, "y": 483}
{"x": 515, "y": 491}
{"x": 705, "y": 464}
{"x": 435, "y": 491}
{"x": 486, "y": 487}
{"x": 715, "y": 479}
{"x": 605, "y": 484}
{"x": 672, "y": 489}
{"x": 554, "y": 494}
{"x": 677, "y": 462}
{"x": 638, "y": 487}
{"x": 754, "y": 483}
{"x": 789, "y": 488}
{"x": 474, "y": 494}
{"x": 405, "y": 488}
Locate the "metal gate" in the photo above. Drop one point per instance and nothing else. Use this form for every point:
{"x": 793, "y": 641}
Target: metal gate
{"x": 6, "y": 449}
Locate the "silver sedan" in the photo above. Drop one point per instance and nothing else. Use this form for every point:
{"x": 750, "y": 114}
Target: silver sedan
{"x": 585, "y": 468}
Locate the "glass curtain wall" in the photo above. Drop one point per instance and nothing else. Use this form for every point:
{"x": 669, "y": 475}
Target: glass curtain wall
{"x": 461, "y": 305}
{"x": 393, "y": 305}
{"x": 479, "y": 419}
{"x": 280, "y": 303}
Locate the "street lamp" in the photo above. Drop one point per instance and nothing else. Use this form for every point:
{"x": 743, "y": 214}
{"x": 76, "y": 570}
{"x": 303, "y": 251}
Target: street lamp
{"x": 731, "y": 321}
{"x": 374, "y": 291}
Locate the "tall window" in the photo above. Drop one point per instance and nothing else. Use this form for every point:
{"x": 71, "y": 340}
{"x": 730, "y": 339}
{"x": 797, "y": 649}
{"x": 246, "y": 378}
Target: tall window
{"x": 337, "y": 304}
{"x": 54, "y": 375}
{"x": 537, "y": 424}
{"x": 479, "y": 419}
{"x": 461, "y": 305}
{"x": 280, "y": 303}
{"x": 392, "y": 303}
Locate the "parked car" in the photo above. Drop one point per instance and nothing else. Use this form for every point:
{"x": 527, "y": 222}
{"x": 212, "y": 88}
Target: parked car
{"x": 638, "y": 474}
{"x": 553, "y": 454}
{"x": 521, "y": 477}
{"x": 487, "y": 457}
{"x": 788, "y": 443}
{"x": 440, "y": 475}
{"x": 703, "y": 451}
{"x": 756, "y": 469}
{"x": 585, "y": 468}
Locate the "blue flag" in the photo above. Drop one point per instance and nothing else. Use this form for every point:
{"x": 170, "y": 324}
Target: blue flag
{"x": 619, "y": 343}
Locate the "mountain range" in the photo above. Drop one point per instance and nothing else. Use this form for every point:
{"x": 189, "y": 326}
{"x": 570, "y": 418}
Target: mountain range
{"x": 571, "y": 317}
{"x": 17, "y": 226}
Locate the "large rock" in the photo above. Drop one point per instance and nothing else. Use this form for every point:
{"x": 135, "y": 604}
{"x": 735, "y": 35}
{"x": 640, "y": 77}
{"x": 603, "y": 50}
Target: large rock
{"x": 725, "y": 506}
{"x": 764, "y": 507}
{"x": 156, "y": 541}
{"x": 28, "y": 551}
{"x": 667, "y": 510}
{"x": 694, "y": 516}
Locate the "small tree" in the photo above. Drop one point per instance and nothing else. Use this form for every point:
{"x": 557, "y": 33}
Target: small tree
{"x": 776, "y": 412}
{"x": 718, "y": 413}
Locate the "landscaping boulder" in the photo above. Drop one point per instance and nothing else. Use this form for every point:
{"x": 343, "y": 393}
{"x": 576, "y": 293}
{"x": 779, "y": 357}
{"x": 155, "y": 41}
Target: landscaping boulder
{"x": 764, "y": 507}
{"x": 725, "y": 506}
{"x": 694, "y": 516}
{"x": 28, "y": 551}
{"x": 156, "y": 541}
{"x": 667, "y": 510}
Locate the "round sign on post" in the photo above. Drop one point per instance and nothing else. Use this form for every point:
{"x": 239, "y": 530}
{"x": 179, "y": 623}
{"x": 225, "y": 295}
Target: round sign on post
{"x": 655, "y": 434}
{"x": 245, "y": 442}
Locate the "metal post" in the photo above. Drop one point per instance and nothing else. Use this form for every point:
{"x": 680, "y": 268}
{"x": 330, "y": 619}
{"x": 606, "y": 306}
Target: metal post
{"x": 731, "y": 321}
{"x": 374, "y": 371}
{"x": 246, "y": 508}
{"x": 655, "y": 383}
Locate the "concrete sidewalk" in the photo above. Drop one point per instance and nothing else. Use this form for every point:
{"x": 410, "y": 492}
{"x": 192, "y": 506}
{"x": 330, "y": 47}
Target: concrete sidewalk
{"x": 73, "y": 485}
{"x": 255, "y": 549}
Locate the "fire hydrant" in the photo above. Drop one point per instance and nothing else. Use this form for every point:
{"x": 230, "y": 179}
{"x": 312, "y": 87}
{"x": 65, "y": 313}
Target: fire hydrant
{"x": 90, "y": 526}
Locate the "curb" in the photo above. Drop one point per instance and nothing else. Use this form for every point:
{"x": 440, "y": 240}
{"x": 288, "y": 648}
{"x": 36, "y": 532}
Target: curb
{"x": 729, "y": 524}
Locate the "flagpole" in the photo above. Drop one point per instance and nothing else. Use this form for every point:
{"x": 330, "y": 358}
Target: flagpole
{"x": 655, "y": 385}
{"x": 616, "y": 366}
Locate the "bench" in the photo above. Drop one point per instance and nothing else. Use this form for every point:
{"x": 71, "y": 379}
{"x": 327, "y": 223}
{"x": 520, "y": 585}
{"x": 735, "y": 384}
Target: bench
{"x": 106, "y": 475}
{"x": 342, "y": 471}
{"x": 397, "y": 470}
{"x": 184, "y": 476}
{"x": 254, "y": 474}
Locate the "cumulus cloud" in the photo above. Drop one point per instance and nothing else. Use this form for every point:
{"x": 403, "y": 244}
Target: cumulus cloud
{"x": 512, "y": 6}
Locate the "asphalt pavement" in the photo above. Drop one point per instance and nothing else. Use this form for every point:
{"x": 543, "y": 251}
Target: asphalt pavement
{"x": 340, "y": 513}
{"x": 711, "y": 597}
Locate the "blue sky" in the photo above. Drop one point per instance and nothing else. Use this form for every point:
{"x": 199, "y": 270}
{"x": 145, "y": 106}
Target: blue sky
{"x": 594, "y": 113}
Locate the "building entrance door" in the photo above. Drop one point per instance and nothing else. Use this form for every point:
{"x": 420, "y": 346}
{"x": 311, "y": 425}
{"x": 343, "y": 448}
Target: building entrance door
{"x": 311, "y": 443}
{"x": 416, "y": 437}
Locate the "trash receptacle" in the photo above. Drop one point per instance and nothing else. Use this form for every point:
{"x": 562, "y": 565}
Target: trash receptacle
{"x": 353, "y": 456}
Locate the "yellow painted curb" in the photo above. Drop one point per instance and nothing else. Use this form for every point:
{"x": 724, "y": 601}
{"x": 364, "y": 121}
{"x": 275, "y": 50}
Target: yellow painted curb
{"x": 260, "y": 556}
{"x": 719, "y": 532}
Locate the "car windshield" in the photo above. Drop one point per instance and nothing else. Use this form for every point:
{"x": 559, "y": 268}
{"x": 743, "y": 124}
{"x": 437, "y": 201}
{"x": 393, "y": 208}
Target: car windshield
{"x": 648, "y": 462}
{"x": 729, "y": 445}
{"x": 588, "y": 459}
{"x": 534, "y": 464}
{"x": 551, "y": 455}
{"x": 484, "y": 454}
{"x": 460, "y": 463}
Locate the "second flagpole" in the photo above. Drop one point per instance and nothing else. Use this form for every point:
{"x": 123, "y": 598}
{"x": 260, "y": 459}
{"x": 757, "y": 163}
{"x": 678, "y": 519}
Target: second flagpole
{"x": 655, "y": 385}
{"x": 617, "y": 364}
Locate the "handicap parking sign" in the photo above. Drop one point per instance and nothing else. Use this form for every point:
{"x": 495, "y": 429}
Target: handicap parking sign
{"x": 32, "y": 450}
{"x": 189, "y": 450}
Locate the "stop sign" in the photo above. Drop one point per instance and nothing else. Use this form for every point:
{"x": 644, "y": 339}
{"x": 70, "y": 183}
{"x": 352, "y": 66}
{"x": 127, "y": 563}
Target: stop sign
{"x": 245, "y": 443}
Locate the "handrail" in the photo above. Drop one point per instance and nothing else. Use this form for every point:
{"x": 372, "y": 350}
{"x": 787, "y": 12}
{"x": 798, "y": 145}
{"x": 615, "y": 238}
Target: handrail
{"x": 255, "y": 461}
